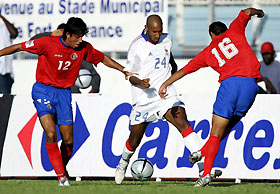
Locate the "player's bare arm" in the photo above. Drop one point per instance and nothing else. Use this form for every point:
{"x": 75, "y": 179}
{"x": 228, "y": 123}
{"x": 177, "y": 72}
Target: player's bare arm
{"x": 268, "y": 85}
{"x": 163, "y": 88}
{"x": 253, "y": 11}
{"x": 143, "y": 83}
{"x": 10, "y": 50}
{"x": 109, "y": 62}
{"x": 11, "y": 28}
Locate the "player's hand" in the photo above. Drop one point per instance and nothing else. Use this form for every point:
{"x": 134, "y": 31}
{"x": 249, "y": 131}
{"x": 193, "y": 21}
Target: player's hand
{"x": 144, "y": 83}
{"x": 269, "y": 86}
{"x": 260, "y": 13}
{"x": 128, "y": 74}
{"x": 162, "y": 91}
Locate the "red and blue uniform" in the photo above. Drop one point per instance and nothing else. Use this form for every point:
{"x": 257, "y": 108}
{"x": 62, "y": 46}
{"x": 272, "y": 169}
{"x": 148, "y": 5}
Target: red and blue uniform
{"x": 232, "y": 57}
{"x": 57, "y": 70}
{"x": 59, "y": 65}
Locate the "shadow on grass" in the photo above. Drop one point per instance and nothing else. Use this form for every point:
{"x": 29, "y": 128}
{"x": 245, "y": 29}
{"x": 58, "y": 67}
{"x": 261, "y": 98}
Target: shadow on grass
{"x": 223, "y": 184}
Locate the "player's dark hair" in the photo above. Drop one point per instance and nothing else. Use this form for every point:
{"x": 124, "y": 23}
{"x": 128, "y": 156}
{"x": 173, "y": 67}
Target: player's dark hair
{"x": 152, "y": 18}
{"x": 75, "y": 25}
{"x": 217, "y": 28}
{"x": 61, "y": 26}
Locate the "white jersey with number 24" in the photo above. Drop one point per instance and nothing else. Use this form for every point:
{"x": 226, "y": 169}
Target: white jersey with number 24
{"x": 149, "y": 60}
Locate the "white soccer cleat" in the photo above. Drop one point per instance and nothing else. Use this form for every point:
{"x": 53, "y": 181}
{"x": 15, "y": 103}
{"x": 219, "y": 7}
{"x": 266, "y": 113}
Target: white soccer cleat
{"x": 195, "y": 157}
{"x": 203, "y": 181}
{"x": 119, "y": 174}
{"x": 120, "y": 171}
{"x": 63, "y": 181}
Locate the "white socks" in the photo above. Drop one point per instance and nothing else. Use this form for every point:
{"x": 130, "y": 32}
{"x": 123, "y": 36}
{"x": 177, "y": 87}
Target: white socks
{"x": 126, "y": 155}
{"x": 193, "y": 143}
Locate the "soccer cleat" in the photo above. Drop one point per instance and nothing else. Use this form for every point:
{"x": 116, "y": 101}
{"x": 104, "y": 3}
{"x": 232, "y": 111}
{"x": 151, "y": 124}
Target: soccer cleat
{"x": 214, "y": 173}
{"x": 120, "y": 171}
{"x": 63, "y": 181}
{"x": 203, "y": 181}
{"x": 119, "y": 175}
{"x": 195, "y": 157}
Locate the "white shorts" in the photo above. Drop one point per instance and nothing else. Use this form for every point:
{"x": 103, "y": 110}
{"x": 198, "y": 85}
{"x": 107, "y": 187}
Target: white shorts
{"x": 153, "y": 111}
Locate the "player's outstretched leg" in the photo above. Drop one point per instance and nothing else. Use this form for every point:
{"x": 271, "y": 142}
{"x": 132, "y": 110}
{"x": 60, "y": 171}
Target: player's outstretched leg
{"x": 56, "y": 161}
{"x": 193, "y": 143}
{"x": 209, "y": 150}
{"x": 122, "y": 166}
{"x": 177, "y": 116}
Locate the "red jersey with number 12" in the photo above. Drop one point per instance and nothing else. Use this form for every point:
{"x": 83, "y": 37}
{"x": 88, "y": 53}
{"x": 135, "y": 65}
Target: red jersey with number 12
{"x": 59, "y": 65}
{"x": 229, "y": 54}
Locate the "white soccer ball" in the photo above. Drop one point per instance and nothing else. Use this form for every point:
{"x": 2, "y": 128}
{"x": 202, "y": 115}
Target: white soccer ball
{"x": 142, "y": 169}
{"x": 84, "y": 78}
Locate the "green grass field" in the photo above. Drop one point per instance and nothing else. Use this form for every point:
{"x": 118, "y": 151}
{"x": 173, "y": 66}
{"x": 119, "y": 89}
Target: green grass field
{"x": 133, "y": 187}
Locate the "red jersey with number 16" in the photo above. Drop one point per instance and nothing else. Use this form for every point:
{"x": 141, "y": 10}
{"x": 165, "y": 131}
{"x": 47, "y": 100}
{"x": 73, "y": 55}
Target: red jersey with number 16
{"x": 59, "y": 65}
{"x": 229, "y": 53}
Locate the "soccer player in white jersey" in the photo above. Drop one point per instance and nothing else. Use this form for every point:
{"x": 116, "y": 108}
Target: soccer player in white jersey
{"x": 150, "y": 59}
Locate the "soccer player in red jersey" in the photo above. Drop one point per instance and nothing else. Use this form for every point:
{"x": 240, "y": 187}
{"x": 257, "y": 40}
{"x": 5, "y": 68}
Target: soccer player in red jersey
{"x": 59, "y": 62}
{"x": 232, "y": 57}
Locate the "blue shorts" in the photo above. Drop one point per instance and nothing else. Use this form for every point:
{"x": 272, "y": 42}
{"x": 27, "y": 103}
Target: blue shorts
{"x": 235, "y": 96}
{"x": 55, "y": 101}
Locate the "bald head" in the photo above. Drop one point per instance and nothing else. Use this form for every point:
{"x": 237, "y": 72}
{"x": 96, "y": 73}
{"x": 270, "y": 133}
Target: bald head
{"x": 153, "y": 28}
{"x": 152, "y": 19}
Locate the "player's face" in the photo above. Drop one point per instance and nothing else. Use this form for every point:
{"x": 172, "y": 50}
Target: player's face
{"x": 74, "y": 40}
{"x": 153, "y": 32}
{"x": 268, "y": 58}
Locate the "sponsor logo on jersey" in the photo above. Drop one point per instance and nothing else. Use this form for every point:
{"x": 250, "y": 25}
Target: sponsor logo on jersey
{"x": 74, "y": 56}
{"x": 57, "y": 55}
{"x": 29, "y": 44}
{"x": 166, "y": 51}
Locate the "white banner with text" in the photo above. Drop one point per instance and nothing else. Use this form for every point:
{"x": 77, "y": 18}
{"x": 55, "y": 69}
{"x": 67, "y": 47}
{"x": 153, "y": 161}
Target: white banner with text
{"x": 101, "y": 128}
{"x": 112, "y": 24}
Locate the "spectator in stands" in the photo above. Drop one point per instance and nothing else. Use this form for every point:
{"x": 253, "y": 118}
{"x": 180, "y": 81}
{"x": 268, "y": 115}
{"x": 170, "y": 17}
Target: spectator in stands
{"x": 95, "y": 81}
{"x": 7, "y": 33}
{"x": 277, "y": 56}
{"x": 270, "y": 69}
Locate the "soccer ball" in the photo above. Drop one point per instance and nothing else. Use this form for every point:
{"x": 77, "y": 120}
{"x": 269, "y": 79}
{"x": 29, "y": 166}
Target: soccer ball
{"x": 83, "y": 79}
{"x": 142, "y": 169}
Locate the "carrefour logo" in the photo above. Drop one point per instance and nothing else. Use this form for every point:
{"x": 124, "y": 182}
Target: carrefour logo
{"x": 80, "y": 132}
{"x": 258, "y": 136}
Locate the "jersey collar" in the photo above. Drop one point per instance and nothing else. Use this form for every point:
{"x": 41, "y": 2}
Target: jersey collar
{"x": 60, "y": 38}
{"x": 145, "y": 37}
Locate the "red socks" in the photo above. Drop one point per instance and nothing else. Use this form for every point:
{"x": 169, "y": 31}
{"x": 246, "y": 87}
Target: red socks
{"x": 210, "y": 150}
{"x": 66, "y": 153}
{"x": 203, "y": 149}
{"x": 128, "y": 146}
{"x": 55, "y": 159}
{"x": 187, "y": 131}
